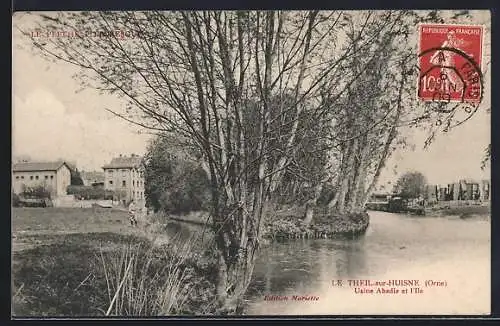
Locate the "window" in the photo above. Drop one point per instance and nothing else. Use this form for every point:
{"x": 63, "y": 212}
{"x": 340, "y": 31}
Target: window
{"x": 36, "y": 177}
{"x": 46, "y": 177}
{"x": 124, "y": 184}
{"x": 123, "y": 172}
{"x": 31, "y": 177}
{"x": 51, "y": 177}
{"x": 17, "y": 177}
{"x": 133, "y": 183}
{"x": 110, "y": 182}
{"x": 22, "y": 177}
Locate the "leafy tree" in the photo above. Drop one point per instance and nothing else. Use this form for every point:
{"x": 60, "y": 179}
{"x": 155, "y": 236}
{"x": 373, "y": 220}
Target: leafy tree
{"x": 76, "y": 178}
{"x": 173, "y": 183}
{"x": 411, "y": 185}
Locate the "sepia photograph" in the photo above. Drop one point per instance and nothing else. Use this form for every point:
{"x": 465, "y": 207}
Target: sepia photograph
{"x": 251, "y": 163}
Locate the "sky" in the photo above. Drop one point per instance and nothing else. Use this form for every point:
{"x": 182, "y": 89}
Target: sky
{"x": 52, "y": 120}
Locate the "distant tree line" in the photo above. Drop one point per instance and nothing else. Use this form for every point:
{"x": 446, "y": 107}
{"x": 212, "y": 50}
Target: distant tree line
{"x": 411, "y": 185}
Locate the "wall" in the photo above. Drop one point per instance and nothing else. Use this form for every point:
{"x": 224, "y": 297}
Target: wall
{"x": 137, "y": 189}
{"x": 134, "y": 183}
{"x": 69, "y": 201}
{"x": 47, "y": 179}
{"x": 63, "y": 180}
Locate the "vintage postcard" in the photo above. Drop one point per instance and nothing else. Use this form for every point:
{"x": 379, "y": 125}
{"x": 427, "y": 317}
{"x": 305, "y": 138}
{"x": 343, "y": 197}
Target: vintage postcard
{"x": 257, "y": 163}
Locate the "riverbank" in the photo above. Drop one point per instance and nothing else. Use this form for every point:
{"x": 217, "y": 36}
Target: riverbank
{"x": 287, "y": 223}
{"x": 465, "y": 211}
{"x": 74, "y": 267}
{"x": 325, "y": 224}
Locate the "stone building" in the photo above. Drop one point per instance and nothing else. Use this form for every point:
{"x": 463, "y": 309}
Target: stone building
{"x": 124, "y": 175}
{"x": 53, "y": 176}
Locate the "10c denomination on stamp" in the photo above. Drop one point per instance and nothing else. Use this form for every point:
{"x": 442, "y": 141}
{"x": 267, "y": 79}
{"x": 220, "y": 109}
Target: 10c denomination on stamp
{"x": 450, "y": 60}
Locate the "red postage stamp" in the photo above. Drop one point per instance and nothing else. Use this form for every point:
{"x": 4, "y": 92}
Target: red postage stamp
{"x": 450, "y": 59}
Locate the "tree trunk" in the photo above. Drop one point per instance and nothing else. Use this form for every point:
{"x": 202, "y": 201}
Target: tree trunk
{"x": 308, "y": 216}
{"x": 221, "y": 285}
{"x": 358, "y": 184}
{"x": 236, "y": 260}
{"x": 311, "y": 203}
{"x": 344, "y": 188}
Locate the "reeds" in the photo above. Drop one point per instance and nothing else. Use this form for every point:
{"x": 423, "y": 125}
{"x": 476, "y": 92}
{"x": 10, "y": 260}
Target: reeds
{"x": 143, "y": 280}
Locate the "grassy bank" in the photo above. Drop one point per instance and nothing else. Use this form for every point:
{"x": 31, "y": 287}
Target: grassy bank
{"x": 466, "y": 211}
{"x": 62, "y": 269}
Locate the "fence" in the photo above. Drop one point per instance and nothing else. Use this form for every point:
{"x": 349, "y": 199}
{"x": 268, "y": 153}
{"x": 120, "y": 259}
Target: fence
{"x": 69, "y": 201}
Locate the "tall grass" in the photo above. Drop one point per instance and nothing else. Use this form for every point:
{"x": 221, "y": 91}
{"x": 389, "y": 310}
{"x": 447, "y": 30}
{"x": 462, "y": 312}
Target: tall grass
{"x": 19, "y": 299}
{"x": 79, "y": 274}
{"x": 144, "y": 280}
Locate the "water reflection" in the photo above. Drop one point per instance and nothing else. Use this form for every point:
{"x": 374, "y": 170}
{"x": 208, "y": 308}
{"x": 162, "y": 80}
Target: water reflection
{"x": 394, "y": 246}
{"x": 303, "y": 264}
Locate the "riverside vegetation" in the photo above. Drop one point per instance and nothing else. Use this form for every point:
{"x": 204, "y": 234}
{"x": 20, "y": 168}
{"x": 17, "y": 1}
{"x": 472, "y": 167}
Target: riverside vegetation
{"x": 98, "y": 266}
{"x": 325, "y": 225}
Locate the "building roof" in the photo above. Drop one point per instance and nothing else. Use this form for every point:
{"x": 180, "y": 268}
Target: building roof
{"x": 38, "y": 166}
{"x": 124, "y": 162}
{"x": 93, "y": 176}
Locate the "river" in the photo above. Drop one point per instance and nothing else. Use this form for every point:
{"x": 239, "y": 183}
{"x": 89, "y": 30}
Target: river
{"x": 454, "y": 253}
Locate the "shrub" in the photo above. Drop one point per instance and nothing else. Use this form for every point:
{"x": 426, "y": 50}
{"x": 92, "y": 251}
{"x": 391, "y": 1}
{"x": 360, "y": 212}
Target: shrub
{"x": 15, "y": 200}
{"x": 38, "y": 192}
{"x": 89, "y": 192}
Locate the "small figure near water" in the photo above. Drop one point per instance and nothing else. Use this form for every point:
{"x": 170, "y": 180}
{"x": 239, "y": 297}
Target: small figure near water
{"x": 132, "y": 211}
